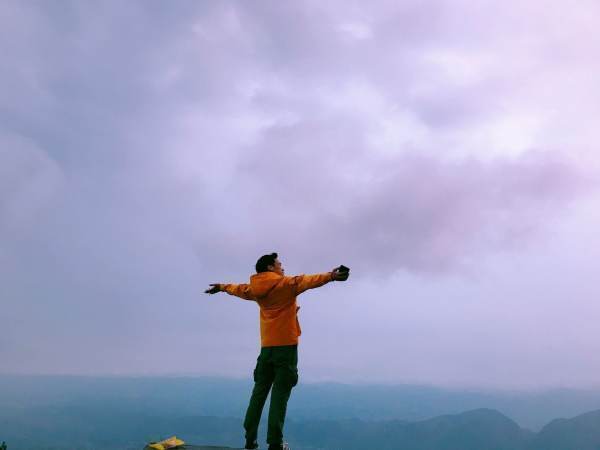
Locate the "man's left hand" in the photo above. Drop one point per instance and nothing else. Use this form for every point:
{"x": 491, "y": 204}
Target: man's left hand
{"x": 336, "y": 275}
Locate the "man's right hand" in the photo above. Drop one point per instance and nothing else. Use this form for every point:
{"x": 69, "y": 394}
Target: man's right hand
{"x": 214, "y": 289}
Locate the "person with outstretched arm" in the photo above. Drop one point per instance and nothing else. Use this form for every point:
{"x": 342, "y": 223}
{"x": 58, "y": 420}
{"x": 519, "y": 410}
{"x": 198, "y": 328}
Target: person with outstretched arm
{"x": 277, "y": 363}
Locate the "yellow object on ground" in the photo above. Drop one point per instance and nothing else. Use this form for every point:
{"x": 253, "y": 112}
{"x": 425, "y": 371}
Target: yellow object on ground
{"x": 172, "y": 442}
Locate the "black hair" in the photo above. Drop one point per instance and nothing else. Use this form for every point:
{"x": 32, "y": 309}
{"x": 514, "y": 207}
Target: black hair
{"x": 265, "y": 261}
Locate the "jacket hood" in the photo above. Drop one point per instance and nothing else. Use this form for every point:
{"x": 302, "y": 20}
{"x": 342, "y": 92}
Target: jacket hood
{"x": 262, "y": 283}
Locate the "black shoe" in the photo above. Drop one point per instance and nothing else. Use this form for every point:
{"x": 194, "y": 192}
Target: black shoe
{"x": 251, "y": 445}
{"x": 283, "y": 446}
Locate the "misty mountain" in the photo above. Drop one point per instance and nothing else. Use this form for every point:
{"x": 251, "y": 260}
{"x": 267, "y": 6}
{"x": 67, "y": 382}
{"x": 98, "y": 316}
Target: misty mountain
{"x": 221, "y": 397}
{"x": 483, "y": 429}
{"x": 579, "y": 433}
{"x": 474, "y": 430}
{"x": 84, "y": 413}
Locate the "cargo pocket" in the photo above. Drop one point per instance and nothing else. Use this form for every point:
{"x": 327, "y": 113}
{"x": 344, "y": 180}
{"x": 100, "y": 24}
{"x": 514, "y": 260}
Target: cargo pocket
{"x": 292, "y": 358}
{"x": 291, "y": 376}
{"x": 294, "y": 377}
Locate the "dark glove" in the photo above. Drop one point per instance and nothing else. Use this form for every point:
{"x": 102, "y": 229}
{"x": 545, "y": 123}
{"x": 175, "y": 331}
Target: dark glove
{"x": 214, "y": 289}
{"x": 341, "y": 273}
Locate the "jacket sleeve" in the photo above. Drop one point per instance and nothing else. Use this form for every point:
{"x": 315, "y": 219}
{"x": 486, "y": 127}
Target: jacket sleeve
{"x": 301, "y": 283}
{"x": 239, "y": 290}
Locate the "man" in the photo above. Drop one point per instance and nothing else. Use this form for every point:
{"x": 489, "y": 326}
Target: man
{"x": 277, "y": 364}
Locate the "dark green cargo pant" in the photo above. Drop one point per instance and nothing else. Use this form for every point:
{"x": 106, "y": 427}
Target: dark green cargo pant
{"x": 276, "y": 367}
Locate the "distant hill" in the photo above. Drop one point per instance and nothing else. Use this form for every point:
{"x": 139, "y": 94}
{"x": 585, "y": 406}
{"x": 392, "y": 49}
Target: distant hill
{"x": 482, "y": 429}
{"x": 84, "y": 413}
{"x": 474, "y": 430}
{"x": 579, "y": 433}
{"x": 222, "y": 397}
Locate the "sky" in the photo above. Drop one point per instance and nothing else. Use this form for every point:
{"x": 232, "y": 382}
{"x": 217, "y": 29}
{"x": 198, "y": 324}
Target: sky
{"x": 446, "y": 151}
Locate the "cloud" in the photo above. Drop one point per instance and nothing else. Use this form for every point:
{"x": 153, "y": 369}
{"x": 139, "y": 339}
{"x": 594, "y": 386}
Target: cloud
{"x": 408, "y": 161}
{"x": 29, "y": 181}
{"x": 314, "y": 185}
{"x": 146, "y": 149}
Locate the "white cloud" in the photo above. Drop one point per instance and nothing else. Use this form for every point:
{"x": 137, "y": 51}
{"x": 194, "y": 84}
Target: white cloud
{"x": 421, "y": 143}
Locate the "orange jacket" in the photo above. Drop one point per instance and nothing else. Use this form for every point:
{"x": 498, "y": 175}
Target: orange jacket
{"x": 276, "y": 296}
